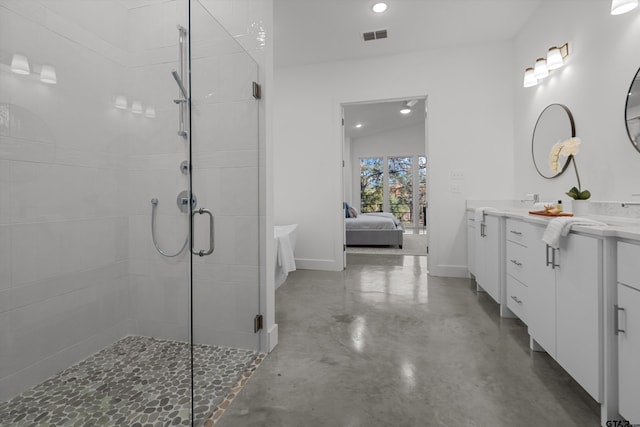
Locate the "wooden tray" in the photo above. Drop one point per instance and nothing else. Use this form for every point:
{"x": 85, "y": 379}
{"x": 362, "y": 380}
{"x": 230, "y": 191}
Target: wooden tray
{"x": 547, "y": 213}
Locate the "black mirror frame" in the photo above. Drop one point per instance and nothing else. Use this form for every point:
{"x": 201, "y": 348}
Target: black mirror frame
{"x": 533, "y": 137}
{"x": 626, "y": 110}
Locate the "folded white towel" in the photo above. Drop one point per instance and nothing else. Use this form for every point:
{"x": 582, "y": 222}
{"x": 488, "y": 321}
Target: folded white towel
{"x": 478, "y": 215}
{"x": 562, "y": 226}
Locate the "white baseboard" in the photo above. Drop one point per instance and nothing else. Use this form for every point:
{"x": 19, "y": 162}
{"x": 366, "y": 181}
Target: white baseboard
{"x": 318, "y": 264}
{"x": 270, "y": 339}
{"x": 449, "y": 271}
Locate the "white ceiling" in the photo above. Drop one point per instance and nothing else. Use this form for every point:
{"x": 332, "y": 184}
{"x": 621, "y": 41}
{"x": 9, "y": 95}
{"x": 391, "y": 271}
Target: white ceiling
{"x": 311, "y": 31}
{"x": 380, "y": 117}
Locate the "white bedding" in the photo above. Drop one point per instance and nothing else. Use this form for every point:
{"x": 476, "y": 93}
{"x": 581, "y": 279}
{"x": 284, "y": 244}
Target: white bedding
{"x": 372, "y": 221}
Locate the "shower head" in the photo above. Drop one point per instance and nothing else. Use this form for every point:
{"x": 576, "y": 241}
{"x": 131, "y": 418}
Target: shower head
{"x": 180, "y": 85}
{"x": 154, "y": 201}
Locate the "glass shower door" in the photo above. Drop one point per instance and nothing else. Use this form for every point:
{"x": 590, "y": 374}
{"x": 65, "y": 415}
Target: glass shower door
{"x": 225, "y": 267}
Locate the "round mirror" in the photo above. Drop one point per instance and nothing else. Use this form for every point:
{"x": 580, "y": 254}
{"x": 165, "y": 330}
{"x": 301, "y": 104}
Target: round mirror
{"x": 632, "y": 112}
{"x": 555, "y": 124}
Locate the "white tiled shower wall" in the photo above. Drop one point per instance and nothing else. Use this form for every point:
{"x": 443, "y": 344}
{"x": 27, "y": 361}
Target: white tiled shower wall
{"x": 77, "y": 265}
{"x": 63, "y": 228}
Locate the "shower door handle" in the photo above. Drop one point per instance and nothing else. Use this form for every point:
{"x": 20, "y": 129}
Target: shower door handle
{"x": 202, "y": 211}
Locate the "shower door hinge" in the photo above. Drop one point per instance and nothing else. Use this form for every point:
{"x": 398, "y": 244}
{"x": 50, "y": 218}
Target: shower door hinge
{"x": 257, "y": 90}
{"x": 427, "y": 250}
{"x": 343, "y": 121}
{"x": 257, "y": 323}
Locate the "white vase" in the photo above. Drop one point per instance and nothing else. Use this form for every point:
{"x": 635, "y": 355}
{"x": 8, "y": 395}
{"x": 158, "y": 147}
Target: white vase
{"x": 580, "y": 207}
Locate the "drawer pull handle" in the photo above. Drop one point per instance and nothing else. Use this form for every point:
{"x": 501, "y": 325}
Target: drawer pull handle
{"x": 518, "y": 233}
{"x": 519, "y": 264}
{"x": 515, "y": 298}
{"x": 616, "y": 325}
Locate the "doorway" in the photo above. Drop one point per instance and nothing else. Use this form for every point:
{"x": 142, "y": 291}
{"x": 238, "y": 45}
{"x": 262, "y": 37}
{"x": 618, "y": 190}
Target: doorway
{"x": 385, "y": 170}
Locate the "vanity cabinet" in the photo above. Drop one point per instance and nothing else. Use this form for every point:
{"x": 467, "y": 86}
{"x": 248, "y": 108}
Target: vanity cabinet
{"x": 564, "y": 304}
{"x": 541, "y": 279}
{"x": 628, "y": 326}
{"x": 517, "y": 262}
{"x": 471, "y": 245}
{"x": 488, "y": 238}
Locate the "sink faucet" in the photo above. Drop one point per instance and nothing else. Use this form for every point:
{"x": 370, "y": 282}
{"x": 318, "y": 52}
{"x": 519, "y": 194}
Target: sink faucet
{"x": 535, "y": 197}
{"x": 627, "y": 204}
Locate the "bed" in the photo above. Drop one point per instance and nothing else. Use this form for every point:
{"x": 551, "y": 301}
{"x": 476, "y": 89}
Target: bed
{"x": 374, "y": 229}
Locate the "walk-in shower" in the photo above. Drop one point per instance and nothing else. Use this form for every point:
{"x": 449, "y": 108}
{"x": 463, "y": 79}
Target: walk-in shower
{"x": 105, "y": 320}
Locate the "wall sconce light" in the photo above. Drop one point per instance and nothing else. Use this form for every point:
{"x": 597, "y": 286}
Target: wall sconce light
{"x": 48, "y": 75}
{"x": 529, "y": 77}
{"x": 540, "y": 70}
{"x": 136, "y": 107}
{"x": 121, "y": 102}
{"x": 618, "y": 7}
{"x": 20, "y": 64}
{"x": 555, "y": 59}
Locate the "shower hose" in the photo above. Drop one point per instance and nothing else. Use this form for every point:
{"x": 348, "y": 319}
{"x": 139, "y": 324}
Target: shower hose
{"x": 154, "y": 204}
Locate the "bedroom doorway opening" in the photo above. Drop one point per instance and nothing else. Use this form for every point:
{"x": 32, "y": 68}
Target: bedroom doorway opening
{"x": 385, "y": 163}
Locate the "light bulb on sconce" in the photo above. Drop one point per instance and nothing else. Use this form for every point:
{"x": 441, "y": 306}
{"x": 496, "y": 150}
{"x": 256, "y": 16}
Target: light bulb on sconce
{"x": 618, "y": 7}
{"x": 48, "y": 75}
{"x": 529, "y": 78}
{"x": 136, "y": 107}
{"x": 540, "y": 70}
{"x": 20, "y": 64}
{"x": 120, "y": 102}
{"x": 556, "y": 56}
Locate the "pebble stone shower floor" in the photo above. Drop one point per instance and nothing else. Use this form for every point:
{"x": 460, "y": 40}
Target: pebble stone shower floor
{"x": 137, "y": 381}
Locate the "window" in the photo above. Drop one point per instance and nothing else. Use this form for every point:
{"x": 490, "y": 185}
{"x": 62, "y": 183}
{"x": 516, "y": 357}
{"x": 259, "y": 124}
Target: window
{"x": 401, "y": 188}
{"x": 396, "y": 184}
{"x": 371, "y": 184}
{"x": 422, "y": 188}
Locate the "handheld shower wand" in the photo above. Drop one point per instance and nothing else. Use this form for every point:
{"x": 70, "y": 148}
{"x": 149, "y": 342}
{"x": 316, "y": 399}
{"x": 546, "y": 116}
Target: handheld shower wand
{"x": 180, "y": 85}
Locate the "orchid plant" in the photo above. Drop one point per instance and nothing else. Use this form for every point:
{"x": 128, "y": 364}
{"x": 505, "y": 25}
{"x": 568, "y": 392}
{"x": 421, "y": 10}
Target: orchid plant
{"x": 568, "y": 148}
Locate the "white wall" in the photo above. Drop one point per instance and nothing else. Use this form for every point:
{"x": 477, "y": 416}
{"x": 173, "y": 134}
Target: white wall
{"x": 63, "y": 179}
{"x": 594, "y": 85}
{"x": 404, "y": 141}
{"x": 470, "y": 129}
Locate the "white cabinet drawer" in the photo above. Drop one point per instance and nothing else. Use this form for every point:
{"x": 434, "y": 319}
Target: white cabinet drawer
{"x": 516, "y": 231}
{"x": 516, "y": 260}
{"x": 628, "y": 268}
{"x": 629, "y": 353}
{"x": 516, "y": 298}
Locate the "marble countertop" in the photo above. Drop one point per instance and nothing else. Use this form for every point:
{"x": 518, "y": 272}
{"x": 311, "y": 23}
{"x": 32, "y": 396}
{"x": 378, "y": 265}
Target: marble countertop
{"x": 620, "y": 227}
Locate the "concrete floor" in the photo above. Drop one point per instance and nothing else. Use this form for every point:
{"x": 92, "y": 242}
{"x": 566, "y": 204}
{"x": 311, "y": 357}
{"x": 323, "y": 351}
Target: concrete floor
{"x": 384, "y": 344}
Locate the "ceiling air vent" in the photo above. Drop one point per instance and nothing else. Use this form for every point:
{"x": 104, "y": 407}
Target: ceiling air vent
{"x": 374, "y": 35}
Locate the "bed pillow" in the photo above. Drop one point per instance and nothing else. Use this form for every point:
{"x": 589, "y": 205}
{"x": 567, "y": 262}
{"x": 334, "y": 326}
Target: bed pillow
{"x": 352, "y": 212}
{"x": 346, "y": 210}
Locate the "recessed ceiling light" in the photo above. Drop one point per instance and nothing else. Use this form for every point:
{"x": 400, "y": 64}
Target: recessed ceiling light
{"x": 358, "y": 126}
{"x": 379, "y": 7}
{"x": 405, "y": 111}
